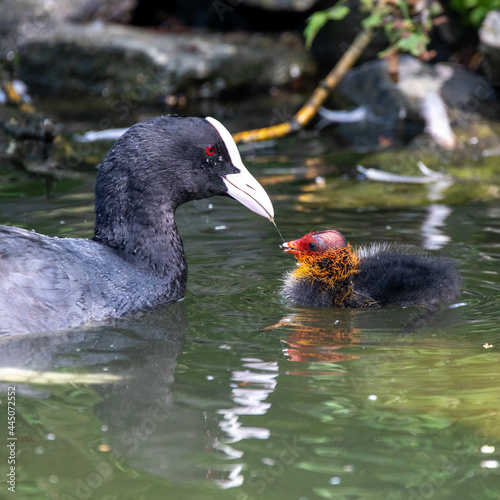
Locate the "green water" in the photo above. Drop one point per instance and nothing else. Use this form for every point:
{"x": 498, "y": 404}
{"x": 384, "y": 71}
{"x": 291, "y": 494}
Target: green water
{"x": 234, "y": 394}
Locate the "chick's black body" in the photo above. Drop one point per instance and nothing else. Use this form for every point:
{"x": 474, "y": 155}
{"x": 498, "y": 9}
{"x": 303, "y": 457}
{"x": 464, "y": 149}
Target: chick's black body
{"x": 392, "y": 277}
{"x": 383, "y": 275}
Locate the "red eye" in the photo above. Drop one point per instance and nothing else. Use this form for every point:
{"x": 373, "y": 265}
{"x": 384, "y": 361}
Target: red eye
{"x": 210, "y": 150}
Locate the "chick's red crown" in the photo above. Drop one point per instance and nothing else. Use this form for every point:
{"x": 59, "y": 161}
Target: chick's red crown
{"x": 316, "y": 243}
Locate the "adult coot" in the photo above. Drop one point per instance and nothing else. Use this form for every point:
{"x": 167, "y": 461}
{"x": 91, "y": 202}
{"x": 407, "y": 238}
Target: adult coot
{"x": 135, "y": 260}
{"x": 331, "y": 273}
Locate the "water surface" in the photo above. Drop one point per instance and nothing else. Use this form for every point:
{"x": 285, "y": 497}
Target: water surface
{"x": 233, "y": 393}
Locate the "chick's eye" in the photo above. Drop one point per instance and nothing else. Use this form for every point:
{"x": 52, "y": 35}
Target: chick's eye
{"x": 210, "y": 150}
{"x": 313, "y": 247}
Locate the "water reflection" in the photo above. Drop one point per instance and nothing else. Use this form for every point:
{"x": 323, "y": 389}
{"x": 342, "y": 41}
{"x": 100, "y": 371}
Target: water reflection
{"x": 434, "y": 237}
{"x": 249, "y": 390}
{"x": 317, "y": 335}
{"x": 136, "y": 408}
{"x": 326, "y": 335}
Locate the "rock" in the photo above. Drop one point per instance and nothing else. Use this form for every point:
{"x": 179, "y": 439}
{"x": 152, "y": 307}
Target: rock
{"x": 144, "y": 66}
{"x": 113, "y": 11}
{"x": 489, "y": 36}
{"x": 424, "y": 92}
{"x": 21, "y": 20}
{"x": 371, "y": 86}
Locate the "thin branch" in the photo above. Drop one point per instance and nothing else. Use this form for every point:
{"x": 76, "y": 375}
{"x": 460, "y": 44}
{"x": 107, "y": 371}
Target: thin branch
{"x": 318, "y": 97}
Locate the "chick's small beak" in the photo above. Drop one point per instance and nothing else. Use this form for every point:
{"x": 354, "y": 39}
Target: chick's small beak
{"x": 290, "y": 247}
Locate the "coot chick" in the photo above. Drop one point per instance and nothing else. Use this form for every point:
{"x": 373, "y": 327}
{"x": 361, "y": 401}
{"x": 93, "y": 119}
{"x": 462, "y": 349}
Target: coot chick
{"x": 331, "y": 273}
{"x": 135, "y": 260}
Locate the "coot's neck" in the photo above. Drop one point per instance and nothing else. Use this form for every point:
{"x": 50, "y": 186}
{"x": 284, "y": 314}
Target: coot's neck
{"x": 142, "y": 232}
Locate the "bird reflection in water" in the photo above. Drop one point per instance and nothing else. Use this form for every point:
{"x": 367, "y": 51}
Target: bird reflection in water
{"x": 318, "y": 336}
{"x": 312, "y": 336}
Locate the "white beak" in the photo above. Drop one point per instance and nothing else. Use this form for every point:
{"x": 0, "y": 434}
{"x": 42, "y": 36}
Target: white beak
{"x": 243, "y": 186}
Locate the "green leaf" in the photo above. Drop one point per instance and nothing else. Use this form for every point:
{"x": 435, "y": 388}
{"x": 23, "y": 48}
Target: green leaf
{"x": 367, "y": 5}
{"x": 319, "y": 19}
{"x": 415, "y": 44}
{"x": 469, "y": 4}
{"x": 314, "y": 24}
{"x": 373, "y": 21}
{"x": 404, "y": 8}
{"x": 338, "y": 12}
{"x": 478, "y": 14}
{"x": 435, "y": 9}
